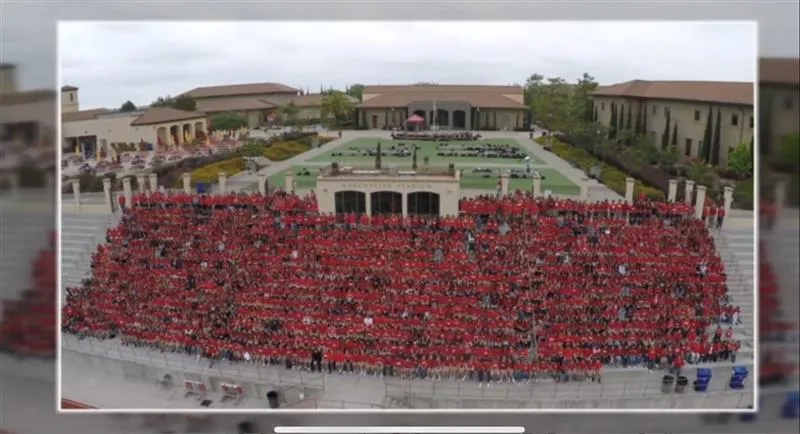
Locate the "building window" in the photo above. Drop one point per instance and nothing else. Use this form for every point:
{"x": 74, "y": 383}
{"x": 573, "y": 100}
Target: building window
{"x": 688, "y": 149}
{"x": 603, "y": 106}
{"x": 788, "y": 102}
{"x": 71, "y": 97}
{"x": 697, "y": 115}
{"x": 734, "y": 120}
{"x": 752, "y": 122}
{"x": 655, "y": 110}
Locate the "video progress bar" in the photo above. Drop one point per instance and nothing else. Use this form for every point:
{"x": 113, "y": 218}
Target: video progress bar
{"x": 399, "y": 430}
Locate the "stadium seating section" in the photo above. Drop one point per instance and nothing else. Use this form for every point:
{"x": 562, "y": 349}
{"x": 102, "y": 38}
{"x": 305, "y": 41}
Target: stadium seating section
{"x": 29, "y": 322}
{"x": 513, "y": 285}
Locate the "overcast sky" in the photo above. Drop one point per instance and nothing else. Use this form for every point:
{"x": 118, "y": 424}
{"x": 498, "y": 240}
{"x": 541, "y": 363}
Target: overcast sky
{"x": 115, "y": 62}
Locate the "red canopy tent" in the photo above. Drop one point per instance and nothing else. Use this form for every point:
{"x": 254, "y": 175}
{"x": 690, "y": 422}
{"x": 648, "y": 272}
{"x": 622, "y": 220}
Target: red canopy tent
{"x": 415, "y": 119}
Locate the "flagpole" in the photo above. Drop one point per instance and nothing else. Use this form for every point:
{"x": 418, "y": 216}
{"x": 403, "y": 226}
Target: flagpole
{"x": 435, "y": 115}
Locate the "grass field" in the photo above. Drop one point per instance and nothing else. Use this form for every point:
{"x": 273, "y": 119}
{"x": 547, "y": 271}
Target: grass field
{"x": 554, "y": 181}
{"x": 426, "y": 149}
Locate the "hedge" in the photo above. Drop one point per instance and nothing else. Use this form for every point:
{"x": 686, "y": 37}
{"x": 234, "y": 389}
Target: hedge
{"x": 282, "y": 151}
{"x": 610, "y": 176}
{"x": 209, "y": 174}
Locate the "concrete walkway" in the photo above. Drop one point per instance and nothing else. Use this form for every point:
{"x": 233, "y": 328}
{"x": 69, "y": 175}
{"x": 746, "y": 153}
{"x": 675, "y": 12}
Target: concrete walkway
{"x": 597, "y": 191}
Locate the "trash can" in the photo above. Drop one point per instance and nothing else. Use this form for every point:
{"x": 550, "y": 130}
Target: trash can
{"x": 738, "y": 377}
{"x": 667, "y": 383}
{"x": 201, "y": 188}
{"x": 272, "y": 398}
{"x": 791, "y": 406}
{"x": 680, "y": 384}
{"x": 703, "y": 379}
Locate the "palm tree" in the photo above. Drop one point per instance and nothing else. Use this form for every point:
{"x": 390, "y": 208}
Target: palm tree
{"x": 337, "y": 105}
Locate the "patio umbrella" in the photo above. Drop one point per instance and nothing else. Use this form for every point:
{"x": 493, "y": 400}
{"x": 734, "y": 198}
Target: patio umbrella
{"x": 415, "y": 119}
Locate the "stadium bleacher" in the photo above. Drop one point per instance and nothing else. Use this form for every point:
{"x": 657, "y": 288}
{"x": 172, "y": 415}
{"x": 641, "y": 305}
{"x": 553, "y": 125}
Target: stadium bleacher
{"x": 512, "y": 288}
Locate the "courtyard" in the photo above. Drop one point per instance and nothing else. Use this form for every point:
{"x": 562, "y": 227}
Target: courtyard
{"x": 481, "y": 162}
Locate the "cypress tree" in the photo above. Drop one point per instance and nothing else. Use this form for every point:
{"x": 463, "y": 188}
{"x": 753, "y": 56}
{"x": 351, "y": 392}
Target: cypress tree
{"x": 752, "y": 147}
{"x": 665, "y": 134}
{"x": 414, "y": 159}
{"x": 378, "y": 156}
{"x": 638, "y": 127}
{"x": 628, "y": 125}
{"x": 595, "y": 115}
{"x": 674, "y": 143}
{"x": 717, "y": 139}
{"x": 705, "y": 151}
{"x": 644, "y": 121}
{"x": 612, "y": 124}
{"x": 621, "y": 126}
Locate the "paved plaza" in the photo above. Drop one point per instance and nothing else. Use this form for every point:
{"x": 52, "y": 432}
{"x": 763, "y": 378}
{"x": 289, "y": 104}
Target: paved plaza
{"x": 561, "y": 178}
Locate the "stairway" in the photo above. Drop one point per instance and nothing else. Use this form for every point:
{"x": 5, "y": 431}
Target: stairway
{"x": 23, "y": 236}
{"x": 735, "y": 244}
{"x": 80, "y": 235}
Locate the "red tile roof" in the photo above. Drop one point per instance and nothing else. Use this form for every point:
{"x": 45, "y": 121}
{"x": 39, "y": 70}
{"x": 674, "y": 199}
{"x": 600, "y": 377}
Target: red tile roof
{"x": 240, "y": 90}
{"x": 83, "y": 115}
{"x": 475, "y": 100}
{"x": 782, "y": 71}
{"x": 739, "y": 93}
{"x": 161, "y": 115}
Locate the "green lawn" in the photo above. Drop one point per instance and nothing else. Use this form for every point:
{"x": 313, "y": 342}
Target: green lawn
{"x": 426, "y": 149}
{"x": 554, "y": 181}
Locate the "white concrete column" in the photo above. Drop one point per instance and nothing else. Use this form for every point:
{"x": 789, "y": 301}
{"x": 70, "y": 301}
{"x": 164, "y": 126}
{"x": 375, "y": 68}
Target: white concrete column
{"x": 76, "y": 193}
{"x": 504, "y": 180}
{"x": 404, "y": 204}
{"x": 537, "y": 185}
{"x": 50, "y": 181}
{"x": 584, "y": 188}
{"x": 262, "y": 184}
{"x": 701, "y": 201}
{"x": 367, "y": 203}
{"x": 187, "y": 183}
{"x": 289, "y": 183}
{"x": 107, "y": 195}
{"x": 13, "y": 181}
{"x": 689, "y": 192}
{"x": 780, "y": 197}
{"x": 630, "y": 183}
{"x": 142, "y": 181}
{"x": 672, "y": 194}
{"x": 727, "y": 199}
{"x": 153, "y": 183}
{"x": 223, "y": 183}
{"x": 127, "y": 191}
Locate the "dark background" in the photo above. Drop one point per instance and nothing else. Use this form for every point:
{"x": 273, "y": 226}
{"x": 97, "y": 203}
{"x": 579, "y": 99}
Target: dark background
{"x": 28, "y": 39}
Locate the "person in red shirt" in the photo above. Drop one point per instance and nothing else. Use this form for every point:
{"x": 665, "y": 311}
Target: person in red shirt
{"x": 720, "y": 216}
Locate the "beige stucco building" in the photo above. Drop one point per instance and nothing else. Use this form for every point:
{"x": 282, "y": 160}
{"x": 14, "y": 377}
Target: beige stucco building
{"x": 374, "y": 191}
{"x": 259, "y": 102}
{"x": 25, "y": 116}
{"x": 688, "y": 104}
{"x": 444, "y": 106}
{"x": 779, "y": 101}
{"x": 91, "y": 130}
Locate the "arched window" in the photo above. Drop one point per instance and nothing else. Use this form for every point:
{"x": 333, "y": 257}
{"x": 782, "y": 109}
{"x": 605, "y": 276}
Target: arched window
{"x": 386, "y": 202}
{"x": 350, "y": 201}
{"x": 423, "y": 203}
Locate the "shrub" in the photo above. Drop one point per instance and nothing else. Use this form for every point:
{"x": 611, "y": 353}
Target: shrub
{"x": 611, "y": 177}
{"x": 209, "y": 174}
{"x": 284, "y": 150}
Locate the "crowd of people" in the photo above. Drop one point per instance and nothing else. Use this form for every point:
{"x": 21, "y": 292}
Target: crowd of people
{"x": 513, "y": 287}
{"x": 28, "y": 321}
{"x": 436, "y": 136}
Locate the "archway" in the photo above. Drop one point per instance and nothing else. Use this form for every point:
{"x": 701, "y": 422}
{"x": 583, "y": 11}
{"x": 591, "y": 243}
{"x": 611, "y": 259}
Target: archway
{"x": 420, "y": 113}
{"x": 460, "y": 119}
{"x": 186, "y": 133}
{"x": 174, "y": 135}
{"x": 162, "y": 136}
{"x": 442, "y": 117}
{"x": 386, "y": 202}
{"x": 199, "y": 130}
{"x": 423, "y": 203}
{"x": 350, "y": 201}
